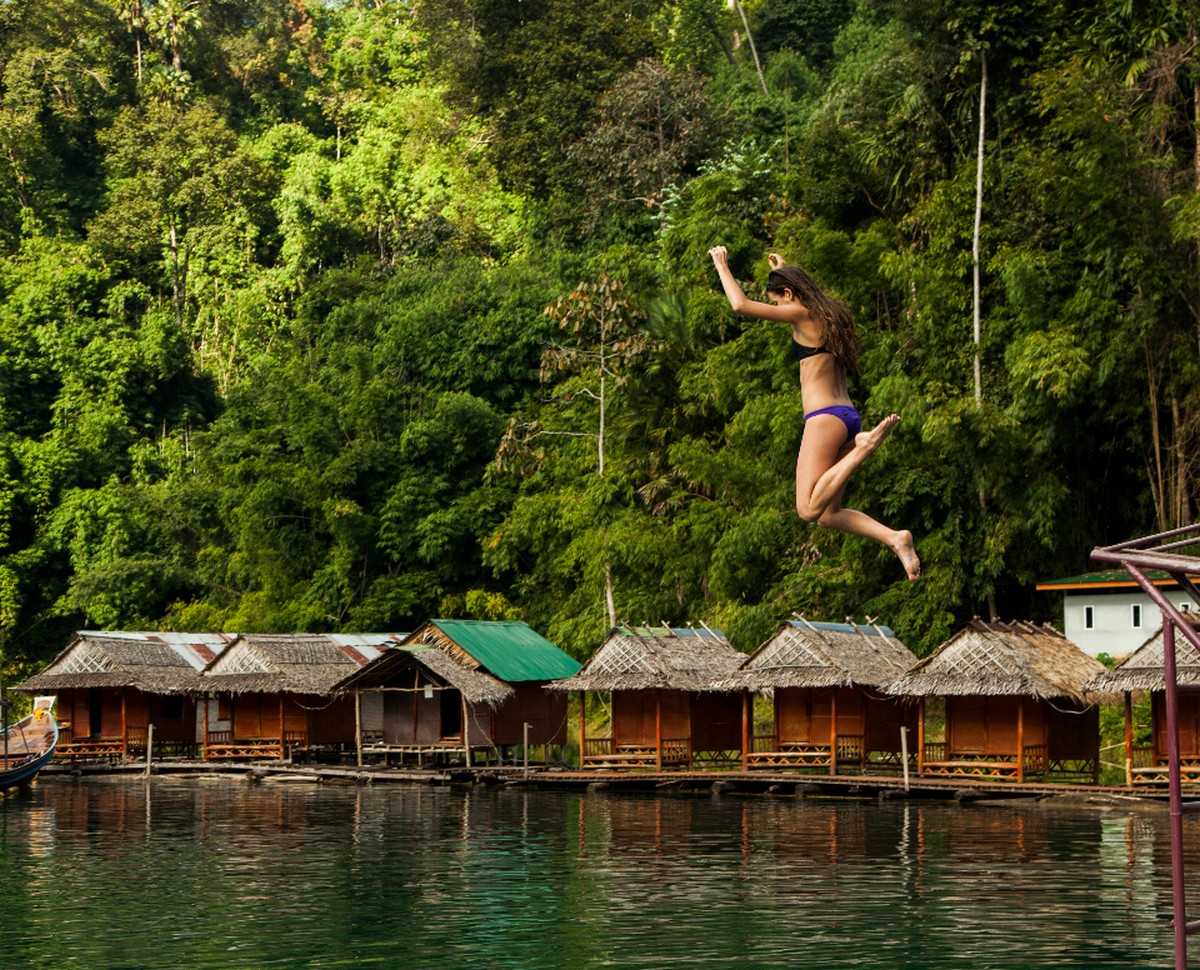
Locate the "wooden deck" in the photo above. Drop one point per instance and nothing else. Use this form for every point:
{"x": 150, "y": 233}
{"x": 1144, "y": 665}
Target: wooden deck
{"x": 755, "y": 783}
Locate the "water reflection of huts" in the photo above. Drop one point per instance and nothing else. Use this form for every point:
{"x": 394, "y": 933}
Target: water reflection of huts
{"x": 1143, "y": 672}
{"x": 665, "y": 710}
{"x": 1016, "y": 707}
{"x": 825, "y": 682}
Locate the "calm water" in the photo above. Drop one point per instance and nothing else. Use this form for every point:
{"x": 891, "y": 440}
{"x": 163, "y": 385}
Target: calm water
{"x": 225, "y": 874}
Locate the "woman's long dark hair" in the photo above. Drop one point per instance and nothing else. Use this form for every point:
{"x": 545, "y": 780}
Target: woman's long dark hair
{"x": 838, "y": 334}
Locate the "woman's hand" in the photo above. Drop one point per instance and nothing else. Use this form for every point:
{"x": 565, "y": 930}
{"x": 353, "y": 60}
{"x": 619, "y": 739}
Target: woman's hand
{"x": 720, "y": 256}
{"x": 774, "y": 260}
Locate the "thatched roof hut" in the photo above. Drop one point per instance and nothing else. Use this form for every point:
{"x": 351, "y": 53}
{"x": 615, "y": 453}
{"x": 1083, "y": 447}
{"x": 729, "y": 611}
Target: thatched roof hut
{"x": 1003, "y": 659}
{"x": 667, "y": 658}
{"x": 463, "y": 684}
{"x": 296, "y": 663}
{"x": 156, "y": 663}
{"x": 1144, "y": 668}
{"x": 808, "y": 654}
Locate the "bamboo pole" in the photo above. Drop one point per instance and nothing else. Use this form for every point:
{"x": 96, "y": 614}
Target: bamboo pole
{"x": 466, "y": 730}
{"x": 658, "y": 729}
{"x": 149, "y": 747}
{"x": 358, "y": 726}
{"x": 833, "y": 732}
{"x": 921, "y": 739}
{"x": 582, "y": 725}
{"x": 747, "y": 727}
{"x": 1128, "y": 738}
{"x": 1020, "y": 739}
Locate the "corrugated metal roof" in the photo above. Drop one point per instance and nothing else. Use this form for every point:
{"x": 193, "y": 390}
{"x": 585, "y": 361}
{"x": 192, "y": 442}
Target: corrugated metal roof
{"x": 1111, "y": 579}
{"x": 864, "y": 629}
{"x": 509, "y": 649}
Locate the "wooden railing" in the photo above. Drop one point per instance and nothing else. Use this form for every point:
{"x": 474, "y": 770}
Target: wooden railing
{"x": 86, "y": 748}
{"x": 1033, "y": 763}
{"x": 604, "y": 753}
{"x": 223, "y": 745}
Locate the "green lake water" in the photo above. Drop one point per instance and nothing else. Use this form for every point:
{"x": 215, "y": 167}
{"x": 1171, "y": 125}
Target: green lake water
{"x": 221, "y": 873}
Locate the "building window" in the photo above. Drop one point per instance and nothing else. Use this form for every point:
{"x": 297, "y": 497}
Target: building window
{"x": 1135, "y": 615}
{"x": 1089, "y": 617}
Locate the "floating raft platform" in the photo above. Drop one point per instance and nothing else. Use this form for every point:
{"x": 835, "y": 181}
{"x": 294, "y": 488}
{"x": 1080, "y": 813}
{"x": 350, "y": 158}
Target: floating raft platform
{"x": 787, "y": 784}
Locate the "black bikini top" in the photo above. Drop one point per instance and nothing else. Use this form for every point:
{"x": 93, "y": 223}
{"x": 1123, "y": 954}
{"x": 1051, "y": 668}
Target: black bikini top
{"x": 804, "y": 351}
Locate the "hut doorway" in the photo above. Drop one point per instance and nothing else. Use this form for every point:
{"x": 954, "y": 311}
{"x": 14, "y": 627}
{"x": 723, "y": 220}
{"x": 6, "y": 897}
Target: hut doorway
{"x": 452, "y": 725}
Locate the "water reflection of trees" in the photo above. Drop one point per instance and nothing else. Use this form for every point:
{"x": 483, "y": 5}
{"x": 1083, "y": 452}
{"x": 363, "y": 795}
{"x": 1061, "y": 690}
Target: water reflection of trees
{"x": 380, "y": 872}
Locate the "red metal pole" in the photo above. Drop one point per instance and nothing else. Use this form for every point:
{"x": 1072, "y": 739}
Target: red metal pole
{"x": 1176, "y": 792}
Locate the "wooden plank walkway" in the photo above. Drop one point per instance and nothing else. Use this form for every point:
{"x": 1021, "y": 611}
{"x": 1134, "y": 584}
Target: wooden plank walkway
{"x": 558, "y": 779}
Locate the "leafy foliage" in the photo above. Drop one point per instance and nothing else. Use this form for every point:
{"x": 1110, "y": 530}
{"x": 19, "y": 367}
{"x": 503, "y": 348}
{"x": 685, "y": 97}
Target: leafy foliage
{"x": 274, "y": 348}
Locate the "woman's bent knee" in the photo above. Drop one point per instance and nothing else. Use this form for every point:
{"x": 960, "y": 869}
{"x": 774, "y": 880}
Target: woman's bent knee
{"x": 809, "y": 514}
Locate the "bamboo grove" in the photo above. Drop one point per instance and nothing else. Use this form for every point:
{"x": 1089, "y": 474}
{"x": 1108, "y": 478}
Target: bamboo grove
{"x": 334, "y": 316}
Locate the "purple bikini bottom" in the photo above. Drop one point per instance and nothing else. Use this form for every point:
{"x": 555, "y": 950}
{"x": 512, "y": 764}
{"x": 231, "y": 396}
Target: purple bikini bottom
{"x": 848, "y": 415}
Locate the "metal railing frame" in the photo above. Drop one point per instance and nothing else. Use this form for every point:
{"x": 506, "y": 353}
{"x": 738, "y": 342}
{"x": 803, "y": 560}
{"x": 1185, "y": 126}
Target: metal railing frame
{"x": 1137, "y": 557}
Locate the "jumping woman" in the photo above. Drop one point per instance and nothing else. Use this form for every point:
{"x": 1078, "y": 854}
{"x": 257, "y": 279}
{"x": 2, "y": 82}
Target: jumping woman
{"x": 833, "y": 444}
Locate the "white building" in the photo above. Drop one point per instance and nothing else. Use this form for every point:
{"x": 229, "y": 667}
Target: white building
{"x": 1110, "y": 613}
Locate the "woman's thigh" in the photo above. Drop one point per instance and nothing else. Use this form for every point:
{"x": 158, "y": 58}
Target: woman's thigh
{"x": 823, "y": 444}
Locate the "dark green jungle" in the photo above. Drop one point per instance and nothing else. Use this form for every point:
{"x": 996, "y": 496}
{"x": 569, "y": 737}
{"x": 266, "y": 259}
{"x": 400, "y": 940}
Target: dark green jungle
{"x": 334, "y": 316}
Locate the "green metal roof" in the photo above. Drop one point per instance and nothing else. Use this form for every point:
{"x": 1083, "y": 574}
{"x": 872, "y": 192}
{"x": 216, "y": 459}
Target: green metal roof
{"x": 1117, "y": 577}
{"x": 509, "y": 650}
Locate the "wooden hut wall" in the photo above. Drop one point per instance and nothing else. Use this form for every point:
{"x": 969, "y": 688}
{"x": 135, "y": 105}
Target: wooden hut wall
{"x": 258, "y": 715}
{"x": 802, "y": 714}
{"x": 330, "y": 721}
{"x": 635, "y": 713}
{"x": 74, "y": 707}
{"x": 420, "y": 717}
{"x": 173, "y": 716}
{"x": 1071, "y": 734}
{"x": 988, "y": 725}
{"x": 544, "y": 710}
{"x": 884, "y": 717}
{"x": 1189, "y": 723}
{"x": 716, "y": 721}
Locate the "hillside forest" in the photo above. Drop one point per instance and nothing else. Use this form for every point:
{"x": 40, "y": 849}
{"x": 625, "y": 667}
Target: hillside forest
{"x": 335, "y": 315}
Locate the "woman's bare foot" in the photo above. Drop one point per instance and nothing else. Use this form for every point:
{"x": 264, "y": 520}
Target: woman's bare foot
{"x": 903, "y": 547}
{"x": 868, "y": 441}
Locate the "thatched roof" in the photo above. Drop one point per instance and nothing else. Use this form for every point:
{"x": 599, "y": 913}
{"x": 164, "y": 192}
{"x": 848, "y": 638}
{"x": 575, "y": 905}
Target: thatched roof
{"x": 994, "y": 659}
{"x": 647, "y": 658}
{"x": 399, "y": 668}
{"x": 297, "y": 663}
{"x": 158, "y": 663}
{"x": 1144, "y": 668}
{"x": 808, "y": 654}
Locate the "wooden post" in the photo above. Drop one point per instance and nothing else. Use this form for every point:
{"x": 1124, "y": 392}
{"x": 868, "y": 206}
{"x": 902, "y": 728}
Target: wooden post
{"x": 466, "y": 729}
{"x": 1129, "y": 738}
{"x": 282, "y": 747}
{"x": 747, "y": 727}
{"x": 658, "y": 729}
{"x": 1021, "y": 739}
{"x": 124, "y": 725}
{"x": 358, "y": 725}
{"x": 149, "y": 746}
{"x": 583, "y": 726}
{"x": 921, "y": 738}
{"x": 833, "y": 731}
